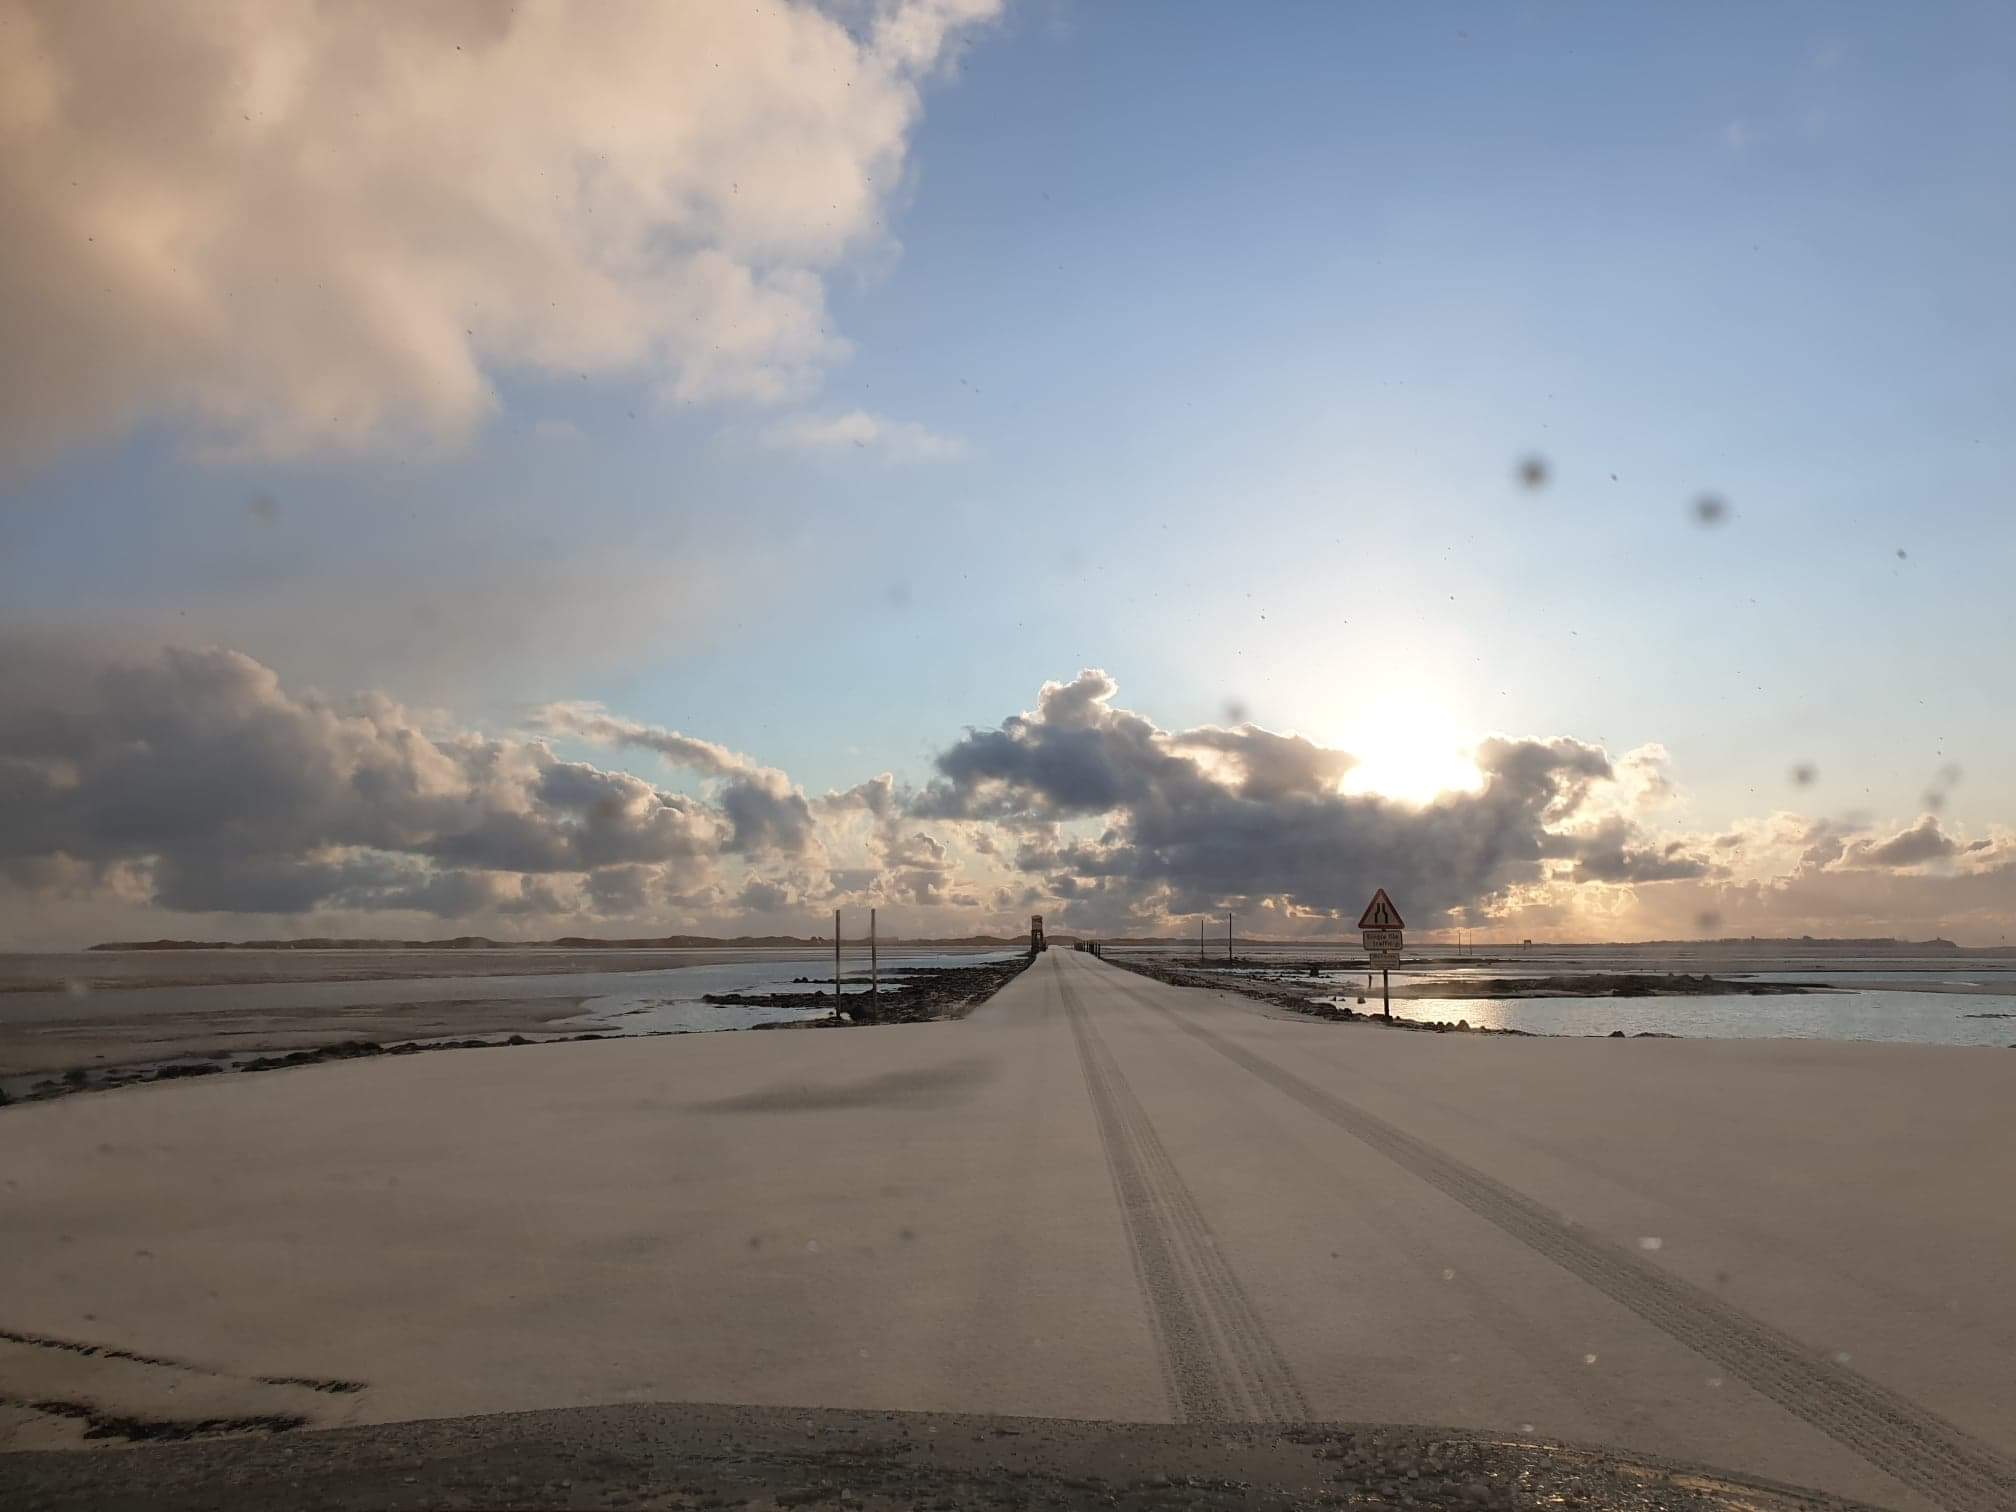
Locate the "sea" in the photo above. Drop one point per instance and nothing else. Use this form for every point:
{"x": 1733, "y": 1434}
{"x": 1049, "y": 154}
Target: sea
{"x": 1938, "y": 998}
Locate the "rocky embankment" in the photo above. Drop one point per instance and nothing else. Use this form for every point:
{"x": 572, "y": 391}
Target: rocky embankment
{"x": 907, "y": 995}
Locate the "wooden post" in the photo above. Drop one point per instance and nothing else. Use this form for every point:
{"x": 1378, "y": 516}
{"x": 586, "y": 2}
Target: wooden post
{"x": 874, "y": 968}
{"x": 1228, "y": 939}
{"x": 836, "y": 963}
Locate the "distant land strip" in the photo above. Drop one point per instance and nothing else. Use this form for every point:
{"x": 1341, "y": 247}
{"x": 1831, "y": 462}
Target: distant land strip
{"x": 1872, "y": 945}
{"x": 565, "y": 942}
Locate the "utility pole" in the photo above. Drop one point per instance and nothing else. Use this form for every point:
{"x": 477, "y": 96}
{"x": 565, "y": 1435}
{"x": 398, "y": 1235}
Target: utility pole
{"x": 1200, "y": 942}
{"x": 836, "y": 963}
{"x": 1228, "y": 939}
{"x": 874, "y": 969}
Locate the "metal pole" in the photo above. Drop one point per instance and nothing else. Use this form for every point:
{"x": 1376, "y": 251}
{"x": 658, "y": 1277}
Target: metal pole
{"x": 1228, "y": 939}
{"x": 874, "y": 969}
{"x": 1386, "y": 992}
{"x": 836, "y": 963}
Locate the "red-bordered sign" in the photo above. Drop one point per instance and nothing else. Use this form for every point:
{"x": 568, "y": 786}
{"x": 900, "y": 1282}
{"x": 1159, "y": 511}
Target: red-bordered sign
{"x": 1381, "y": 914}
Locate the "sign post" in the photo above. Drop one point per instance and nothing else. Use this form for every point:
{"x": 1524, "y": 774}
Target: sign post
{"x": 1381, "y": 926}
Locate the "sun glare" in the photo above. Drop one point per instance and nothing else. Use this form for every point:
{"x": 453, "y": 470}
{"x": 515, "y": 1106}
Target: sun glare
{"x": 1413, "y": 750}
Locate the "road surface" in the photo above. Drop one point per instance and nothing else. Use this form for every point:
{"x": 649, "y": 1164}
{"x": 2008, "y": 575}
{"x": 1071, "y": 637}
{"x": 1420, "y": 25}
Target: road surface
{"x": 1099, "y": 1197}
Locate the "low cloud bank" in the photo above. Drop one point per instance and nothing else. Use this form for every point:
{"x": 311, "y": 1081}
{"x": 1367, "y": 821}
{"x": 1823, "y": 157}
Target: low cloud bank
{"x": 170, "y": 791}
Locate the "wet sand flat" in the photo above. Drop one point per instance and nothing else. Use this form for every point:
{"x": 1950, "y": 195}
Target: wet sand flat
{"x": 288, "y": 1000}
{"x": 106, "y": 1037}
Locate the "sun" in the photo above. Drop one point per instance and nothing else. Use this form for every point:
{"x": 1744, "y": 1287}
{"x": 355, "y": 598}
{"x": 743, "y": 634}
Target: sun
{"x": 1411, "y": 748}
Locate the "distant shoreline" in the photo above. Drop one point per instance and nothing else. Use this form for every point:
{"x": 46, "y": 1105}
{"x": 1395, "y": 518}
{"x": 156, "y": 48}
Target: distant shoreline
{"x": 565, "y": 942}
{"x": 1883, "y": 945}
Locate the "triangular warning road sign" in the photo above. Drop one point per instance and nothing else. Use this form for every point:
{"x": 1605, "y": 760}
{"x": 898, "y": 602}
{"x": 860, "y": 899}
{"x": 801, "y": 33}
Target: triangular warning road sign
{"x": 1381, "y": 914}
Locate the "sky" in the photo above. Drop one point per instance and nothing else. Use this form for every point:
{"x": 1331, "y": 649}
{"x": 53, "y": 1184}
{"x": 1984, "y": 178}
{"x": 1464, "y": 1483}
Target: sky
{"x": 681, "y": 468}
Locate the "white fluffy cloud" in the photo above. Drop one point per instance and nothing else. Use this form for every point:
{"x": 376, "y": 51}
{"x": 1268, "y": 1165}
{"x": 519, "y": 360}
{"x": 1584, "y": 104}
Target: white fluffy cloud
{"x": 766, "y": 811}
{"x": 298, "y": 227}
{"x": 892, "y": 440}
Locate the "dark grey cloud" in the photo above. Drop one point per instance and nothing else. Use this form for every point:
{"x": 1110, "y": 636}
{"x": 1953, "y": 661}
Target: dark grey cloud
{"x": 1270, "y": 765}
{"x": 1613, "y": 852}
{"x": 1922, "y": 842}
{"x": 620, "y": 891}
{"x": 766, "y": 814}
{"x": 1201, "y": 817}
{"x": 234, "y": 794}
{"x": 764, "y": 897}
{"x": 458, "y": 894}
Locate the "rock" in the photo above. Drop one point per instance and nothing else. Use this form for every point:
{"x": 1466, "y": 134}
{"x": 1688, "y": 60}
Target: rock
{"x": 1617, "y": 1034}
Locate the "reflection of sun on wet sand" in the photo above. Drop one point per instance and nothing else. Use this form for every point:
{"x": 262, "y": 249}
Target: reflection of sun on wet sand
{"x": 1597, "y": 984}
{"x": 1289, "y": 986}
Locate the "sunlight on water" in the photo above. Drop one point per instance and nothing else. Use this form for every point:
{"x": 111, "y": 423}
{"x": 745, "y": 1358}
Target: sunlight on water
{"x": 1896, "y": 1017}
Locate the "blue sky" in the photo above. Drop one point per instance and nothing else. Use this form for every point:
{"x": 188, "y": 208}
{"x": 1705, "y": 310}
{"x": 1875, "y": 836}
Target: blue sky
{"x": 1240, "y": 325}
